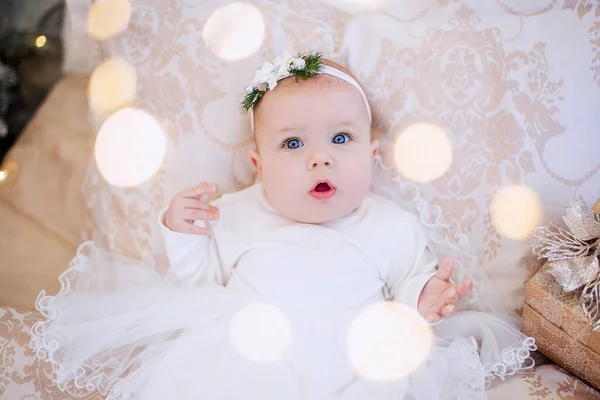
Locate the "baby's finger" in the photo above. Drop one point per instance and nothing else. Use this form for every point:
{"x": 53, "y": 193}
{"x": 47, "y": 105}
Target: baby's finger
{"x": 196, "y": 204}
{"x": 205, "y": 188}
{"x": 199, "y": 191}
{"x": 464, "y": 289}
{"x": 450, "y": 296}
{"x": 445, "y": 270}
{"x": 448, "y": 310}
{"x": 198, "y": 215}
{"x": 433, "y": 317}
{"x": 182, "y": 226}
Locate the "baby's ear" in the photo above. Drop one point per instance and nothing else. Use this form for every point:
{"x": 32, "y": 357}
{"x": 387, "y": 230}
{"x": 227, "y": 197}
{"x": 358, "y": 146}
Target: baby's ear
{"x": 255, "y": 158}
{"x": 375, "y": 135}
{"x": 375, "y": 147}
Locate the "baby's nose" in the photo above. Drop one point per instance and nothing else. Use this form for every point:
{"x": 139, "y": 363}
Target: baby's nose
{"x": 320, "y": 158}
{"x": 326, "y": 163}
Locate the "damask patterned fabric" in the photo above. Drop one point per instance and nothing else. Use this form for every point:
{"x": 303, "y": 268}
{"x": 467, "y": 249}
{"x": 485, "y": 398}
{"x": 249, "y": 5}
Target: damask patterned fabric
{"x": 515, "y": 85}
{"x": 514, "y": 95}
{"x": 497, "y": 80}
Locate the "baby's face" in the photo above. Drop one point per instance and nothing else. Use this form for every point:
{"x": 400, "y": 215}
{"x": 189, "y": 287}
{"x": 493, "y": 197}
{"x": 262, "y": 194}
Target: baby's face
{"x": 315, "y": 153}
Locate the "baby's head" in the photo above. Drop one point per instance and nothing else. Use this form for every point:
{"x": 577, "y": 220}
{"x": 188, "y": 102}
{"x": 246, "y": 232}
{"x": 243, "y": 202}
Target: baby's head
{"x": 314, "y": 153}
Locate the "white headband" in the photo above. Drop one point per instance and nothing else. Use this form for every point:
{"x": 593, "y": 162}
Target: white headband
{"x": 284, "y": 67}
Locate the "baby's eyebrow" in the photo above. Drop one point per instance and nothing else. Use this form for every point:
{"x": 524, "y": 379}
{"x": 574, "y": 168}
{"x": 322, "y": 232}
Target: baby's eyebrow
{"x": 343, "y": 123}
{"x": 345, "y": 126}
{"x": 291, "y": 128}
{"x": 281, "y": 133}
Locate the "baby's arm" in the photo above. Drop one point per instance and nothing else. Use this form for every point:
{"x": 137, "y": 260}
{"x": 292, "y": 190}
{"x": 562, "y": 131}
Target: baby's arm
{"x": 416, "y": 280}
{"x": 412, "y": 264}
{"x": 194, "y": 259}
{"x": 191, "y": 248}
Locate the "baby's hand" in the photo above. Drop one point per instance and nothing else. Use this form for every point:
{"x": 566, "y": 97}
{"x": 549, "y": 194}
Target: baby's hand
{"x": 191, "y": 205}
{"x": 439, "y": 295}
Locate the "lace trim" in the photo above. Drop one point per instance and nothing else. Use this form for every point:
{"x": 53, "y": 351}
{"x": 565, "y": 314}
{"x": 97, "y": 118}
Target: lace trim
{"x": 470, "y": 385}
{"x": 449, "y": 240}
{"x": 514, "y": 361}
{"x": 45, "y": 347}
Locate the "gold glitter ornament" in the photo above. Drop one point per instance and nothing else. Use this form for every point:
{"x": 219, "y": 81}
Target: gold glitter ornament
{"x": 573, "y": 254}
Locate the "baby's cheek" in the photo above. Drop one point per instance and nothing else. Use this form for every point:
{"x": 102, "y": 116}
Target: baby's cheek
{"x": 361, "y": 168}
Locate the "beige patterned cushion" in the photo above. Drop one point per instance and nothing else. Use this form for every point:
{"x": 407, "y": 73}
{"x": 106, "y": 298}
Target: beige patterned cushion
{"x": 547, "y": 382}
{"x": 492, "y": 74}
{"x": 22, "y": 376}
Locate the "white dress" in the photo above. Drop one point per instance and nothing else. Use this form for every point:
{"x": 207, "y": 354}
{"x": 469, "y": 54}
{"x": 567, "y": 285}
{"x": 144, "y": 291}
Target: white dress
{"x": 119, "y": 327}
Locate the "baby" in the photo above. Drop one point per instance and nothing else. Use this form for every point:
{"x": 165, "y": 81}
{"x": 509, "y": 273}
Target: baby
{"x": 314, "y": 156}
{"x": 308, "y": 240}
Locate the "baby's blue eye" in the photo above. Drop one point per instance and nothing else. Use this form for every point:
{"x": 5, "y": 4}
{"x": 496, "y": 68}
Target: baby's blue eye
{"x": 292, "y": 143}
{"x": 341, "y": 138}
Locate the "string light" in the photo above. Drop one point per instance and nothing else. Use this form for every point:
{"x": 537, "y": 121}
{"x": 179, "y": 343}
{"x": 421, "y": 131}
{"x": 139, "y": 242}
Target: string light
{"x": 40, "y": 41}
{"x": 9, "y": 170}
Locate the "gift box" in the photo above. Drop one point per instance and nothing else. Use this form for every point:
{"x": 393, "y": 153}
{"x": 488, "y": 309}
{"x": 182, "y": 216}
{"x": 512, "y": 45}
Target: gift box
{"x": 561, "y": 330}
{"x": 561, "y": 309}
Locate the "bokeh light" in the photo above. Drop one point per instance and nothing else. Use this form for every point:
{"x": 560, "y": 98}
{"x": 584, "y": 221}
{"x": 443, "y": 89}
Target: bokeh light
{"x": 260, "y": 332}
{"x": 9, "y": 171}
{"x": 112, "y": 86}
{"x": 234, "y": 31}
{"x": 515, "y": 211}
{"x": 40, "y": 41}
{"x": 108, "y": 18}
{"x": 388, "y": 341}
{"x": 130, "y": 147}
{"x": 423, "y": 152}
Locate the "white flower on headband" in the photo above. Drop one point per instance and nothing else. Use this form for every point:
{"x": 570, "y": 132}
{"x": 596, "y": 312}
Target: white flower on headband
{"x": 266, "y": 78}
{"x": 270, "y": 73}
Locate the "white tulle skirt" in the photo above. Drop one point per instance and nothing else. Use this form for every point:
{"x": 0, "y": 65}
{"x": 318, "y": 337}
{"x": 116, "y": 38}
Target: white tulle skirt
{"x": 123, "y": 329}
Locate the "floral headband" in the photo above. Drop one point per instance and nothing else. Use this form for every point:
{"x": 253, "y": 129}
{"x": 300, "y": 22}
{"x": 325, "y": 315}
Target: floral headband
{"x": 302, "y": 65}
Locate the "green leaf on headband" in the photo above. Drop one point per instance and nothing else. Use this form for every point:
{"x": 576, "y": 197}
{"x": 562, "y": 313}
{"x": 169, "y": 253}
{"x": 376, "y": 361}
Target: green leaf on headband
{"x": 250, "y": 99}
{"x": 313, "y": 66}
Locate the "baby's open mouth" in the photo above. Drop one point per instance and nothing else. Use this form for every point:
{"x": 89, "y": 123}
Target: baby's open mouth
{"x": 322, "y": 187}
{"x": 323, "y": 190}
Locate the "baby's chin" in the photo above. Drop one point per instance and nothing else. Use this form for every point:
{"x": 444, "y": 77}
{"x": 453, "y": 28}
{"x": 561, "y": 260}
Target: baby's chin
{"x": 323, "y": 216}
{"x": 310, "y": 220}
